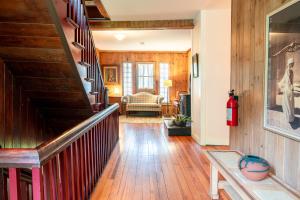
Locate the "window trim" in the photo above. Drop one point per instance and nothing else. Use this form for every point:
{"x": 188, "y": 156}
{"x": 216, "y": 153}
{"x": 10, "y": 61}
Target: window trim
{"x": 159, "y": 87}
{"x": 137, "y": 74}
{"x": 132, "y": 67}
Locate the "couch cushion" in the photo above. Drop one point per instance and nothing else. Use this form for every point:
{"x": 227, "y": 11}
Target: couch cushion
{"x": 150, "y": 105}
{"x": 143, "y": 107}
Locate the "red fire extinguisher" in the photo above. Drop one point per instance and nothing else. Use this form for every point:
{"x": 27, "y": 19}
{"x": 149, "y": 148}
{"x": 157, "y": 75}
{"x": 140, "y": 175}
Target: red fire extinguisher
{"x": 232, "y": 109}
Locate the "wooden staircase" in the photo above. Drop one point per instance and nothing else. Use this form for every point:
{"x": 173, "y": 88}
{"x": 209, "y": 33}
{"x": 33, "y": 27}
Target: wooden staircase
{"x": 48, "y": 49}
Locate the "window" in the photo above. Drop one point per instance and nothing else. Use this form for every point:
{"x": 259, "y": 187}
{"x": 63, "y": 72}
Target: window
{"x": 145, "y": 77}
{"x": 127, "y": 78}
{"x": 164, "y": 75}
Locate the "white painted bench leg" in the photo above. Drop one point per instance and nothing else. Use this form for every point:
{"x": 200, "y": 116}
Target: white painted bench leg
{"x": 214, "y": 182}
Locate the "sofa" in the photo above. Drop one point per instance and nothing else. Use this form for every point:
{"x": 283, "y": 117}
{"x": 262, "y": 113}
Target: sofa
{"x": 143, "y": 102}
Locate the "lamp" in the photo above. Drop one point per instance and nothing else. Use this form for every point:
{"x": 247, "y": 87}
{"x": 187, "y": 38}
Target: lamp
{"x": 116, "y": 91}
{"x": 168, "y": 84}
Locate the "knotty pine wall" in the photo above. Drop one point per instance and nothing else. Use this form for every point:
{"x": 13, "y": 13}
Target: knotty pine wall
{"x": 21, "y": 124}
{"x": 247, "y": 77}
{"x": 178, "y": 62}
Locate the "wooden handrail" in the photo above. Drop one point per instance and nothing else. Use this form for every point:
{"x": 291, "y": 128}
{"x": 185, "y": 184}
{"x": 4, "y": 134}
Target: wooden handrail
{"x": 25, "y": 158}
{"x": 57, "y": 145}
{"x": 93, "y": 43}
{"x": 28, "y": 158}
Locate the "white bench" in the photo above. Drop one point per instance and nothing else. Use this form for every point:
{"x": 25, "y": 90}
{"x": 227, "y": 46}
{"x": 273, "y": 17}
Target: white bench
{"x": 240, "y": 188}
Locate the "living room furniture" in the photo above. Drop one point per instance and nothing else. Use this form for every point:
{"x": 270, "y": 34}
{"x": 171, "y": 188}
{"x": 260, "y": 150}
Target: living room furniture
{"x": 143, "y": 101}
{"x": 239, "y": 187}
{"x": 148, "y": 90}
{"x": 113, "y": 100}
{"x": 185, "y": 104}
{"x": 167, "y": 84}
{"x": 176, "y": 101}
{"x": 174, "y": 130}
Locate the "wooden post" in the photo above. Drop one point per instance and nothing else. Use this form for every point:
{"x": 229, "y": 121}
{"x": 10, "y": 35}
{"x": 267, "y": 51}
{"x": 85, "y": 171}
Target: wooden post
{"x": 2, "y": 185}
{"x": 37, "y": 184}
{"x": 14, "y": 184}
{"x": 214, "y": 182}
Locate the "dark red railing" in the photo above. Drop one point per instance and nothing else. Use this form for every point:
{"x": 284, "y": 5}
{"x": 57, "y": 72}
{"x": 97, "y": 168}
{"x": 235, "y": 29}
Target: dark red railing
{"x": 67, "y": 167}
{"x": 73, "y": 12}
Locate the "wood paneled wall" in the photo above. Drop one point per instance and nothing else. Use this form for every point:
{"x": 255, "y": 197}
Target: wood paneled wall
{"x": 21, "y": 124}
{"x": 248, "y": 64}
{"x": 178, "y": 62}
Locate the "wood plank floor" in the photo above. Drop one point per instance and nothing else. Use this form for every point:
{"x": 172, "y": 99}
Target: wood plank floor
{"x": 147, "y": 164}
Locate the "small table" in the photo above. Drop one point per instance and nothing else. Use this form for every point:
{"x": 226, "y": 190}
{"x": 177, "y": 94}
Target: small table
{"x": 237, "y": 186}
{"x": 174, "y": 130}
{"x": 113, "y": 99}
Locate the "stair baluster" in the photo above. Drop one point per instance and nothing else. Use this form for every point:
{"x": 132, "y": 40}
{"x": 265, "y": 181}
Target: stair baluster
{"x": 84, "y": 38}
{"x": 66, "y": 167}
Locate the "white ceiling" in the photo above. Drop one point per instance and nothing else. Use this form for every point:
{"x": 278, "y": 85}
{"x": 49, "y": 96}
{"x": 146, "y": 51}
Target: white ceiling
{"x": 159, "y": 9}
{"x": 154, "y": 40}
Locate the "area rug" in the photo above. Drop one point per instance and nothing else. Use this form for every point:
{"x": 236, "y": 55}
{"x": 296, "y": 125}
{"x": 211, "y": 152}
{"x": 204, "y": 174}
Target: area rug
{"x": 140, "y": 120}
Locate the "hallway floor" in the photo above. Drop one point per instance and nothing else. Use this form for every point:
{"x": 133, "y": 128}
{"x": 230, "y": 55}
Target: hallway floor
{"x": 147, "y": 164}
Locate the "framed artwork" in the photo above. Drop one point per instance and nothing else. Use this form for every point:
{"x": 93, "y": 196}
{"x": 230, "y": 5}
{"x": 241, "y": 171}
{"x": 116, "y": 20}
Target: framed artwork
{"x": 195, "y": 64}
{"x": 110, "y": 74}
{"x": 282, "y": 71}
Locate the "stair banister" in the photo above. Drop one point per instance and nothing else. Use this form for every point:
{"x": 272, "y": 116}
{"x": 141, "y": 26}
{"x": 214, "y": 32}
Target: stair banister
{"x": 68, "y": 166}
{"x": 74, "y": 22}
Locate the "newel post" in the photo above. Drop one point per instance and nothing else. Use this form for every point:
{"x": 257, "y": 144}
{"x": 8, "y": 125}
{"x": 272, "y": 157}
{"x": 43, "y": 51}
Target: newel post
{"x": 14, "y": 184}
{"x": 37, "y": 183}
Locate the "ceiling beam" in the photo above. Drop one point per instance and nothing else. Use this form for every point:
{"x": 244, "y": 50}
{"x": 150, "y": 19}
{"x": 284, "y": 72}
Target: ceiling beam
{"x": 99, "y": 5}
{"x": 102, "y": 9}
{"x": 142, "y": 25}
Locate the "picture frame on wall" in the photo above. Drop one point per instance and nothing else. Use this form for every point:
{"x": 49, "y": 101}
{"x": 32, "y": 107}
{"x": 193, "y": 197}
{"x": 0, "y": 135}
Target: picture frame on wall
{"x": 282, "y": 71}
{"x": 110, "y": 74}
{"x": 195, "y": 63}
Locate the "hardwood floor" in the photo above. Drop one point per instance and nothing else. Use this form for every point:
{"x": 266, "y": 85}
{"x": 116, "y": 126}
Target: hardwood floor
{"x": 147, "y": 164}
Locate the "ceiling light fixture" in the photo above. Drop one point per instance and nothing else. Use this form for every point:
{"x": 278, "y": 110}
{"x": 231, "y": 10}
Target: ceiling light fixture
{"x": 120, "y": 36}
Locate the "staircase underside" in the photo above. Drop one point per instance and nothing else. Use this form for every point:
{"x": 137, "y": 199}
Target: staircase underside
{"x": 31, "y": 48}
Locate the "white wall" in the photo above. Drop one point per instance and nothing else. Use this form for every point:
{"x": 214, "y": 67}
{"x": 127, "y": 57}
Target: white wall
{"x": 211, "y": 39}
{"x": 196, "y": 82}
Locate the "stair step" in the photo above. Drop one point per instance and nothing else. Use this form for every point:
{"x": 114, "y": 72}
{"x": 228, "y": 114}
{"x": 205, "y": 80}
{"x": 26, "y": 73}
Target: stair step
{"x": 30, "y": 42}
{"x": 78, "y": 45}
{"x": 89, "y": 79}
{"x": 85, "y": 64}
{"x": 27, "y": 29}
{"x": 72, "y": 22}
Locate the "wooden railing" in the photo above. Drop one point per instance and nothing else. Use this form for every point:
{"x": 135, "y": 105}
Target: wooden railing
{"x": 67, "y": 167}
{"x": 73, "y": 12}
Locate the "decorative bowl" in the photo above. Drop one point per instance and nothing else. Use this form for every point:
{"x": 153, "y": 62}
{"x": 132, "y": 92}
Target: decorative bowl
{"x": 254, "y": 168}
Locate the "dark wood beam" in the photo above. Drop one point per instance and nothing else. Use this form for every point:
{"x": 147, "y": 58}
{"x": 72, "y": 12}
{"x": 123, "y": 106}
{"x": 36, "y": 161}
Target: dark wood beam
{"x": 100, "y": 7}
{"x": 142, "y": 25}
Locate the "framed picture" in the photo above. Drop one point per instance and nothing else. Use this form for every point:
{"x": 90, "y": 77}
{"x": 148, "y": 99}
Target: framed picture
{"x": 282, "y": 71}
{"x": 110, "y": 74}
{"x": 195, "y": 64}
